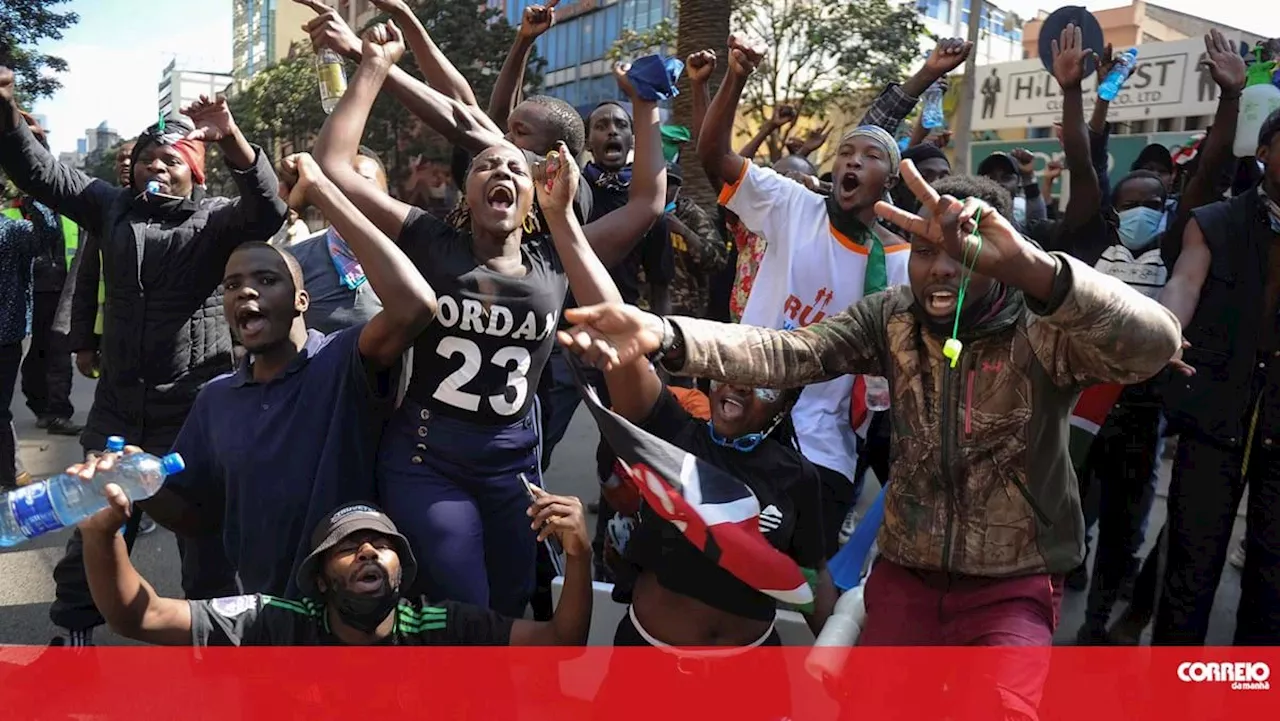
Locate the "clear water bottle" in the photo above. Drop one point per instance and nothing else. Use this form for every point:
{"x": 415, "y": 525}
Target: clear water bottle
{"x": 877, "y": 394}
{"x": 932, "y": 115}
{"x": 333, "y": 79}
{"x": 1111, "y": 84}
{"x": 65, "y": 500}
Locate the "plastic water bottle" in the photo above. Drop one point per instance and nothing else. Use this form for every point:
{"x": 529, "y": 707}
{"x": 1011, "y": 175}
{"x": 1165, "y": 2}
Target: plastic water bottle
{"x": 841, "y": 631}
{"x": 1259, "y": 99}
{"x": 931, "y": 115}
{"x": 877, "y": 393}
{"x": 333, "y": 79}
{"x": 1111, "y": 84}
{"x": 65, "y": 500}
{"x": 153, "y": 187}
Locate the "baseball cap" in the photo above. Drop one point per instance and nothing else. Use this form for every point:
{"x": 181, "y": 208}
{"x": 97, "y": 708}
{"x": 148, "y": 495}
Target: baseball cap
{"x": 343, "y": 522}
{"x": 988, "y": 163}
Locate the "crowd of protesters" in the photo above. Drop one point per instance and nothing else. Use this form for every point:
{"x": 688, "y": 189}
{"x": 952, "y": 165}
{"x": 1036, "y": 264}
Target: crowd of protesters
{"x": 430, "y": 364}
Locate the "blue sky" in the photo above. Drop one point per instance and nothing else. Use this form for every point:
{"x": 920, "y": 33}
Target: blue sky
{"x": 117, "y": 53}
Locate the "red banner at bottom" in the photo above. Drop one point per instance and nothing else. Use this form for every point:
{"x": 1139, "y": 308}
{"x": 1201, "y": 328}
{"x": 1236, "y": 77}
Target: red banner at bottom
{"x": 1072, "y": 684}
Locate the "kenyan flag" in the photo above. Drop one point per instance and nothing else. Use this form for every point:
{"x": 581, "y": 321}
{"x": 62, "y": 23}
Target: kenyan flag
{"x": 1090, "y": 413}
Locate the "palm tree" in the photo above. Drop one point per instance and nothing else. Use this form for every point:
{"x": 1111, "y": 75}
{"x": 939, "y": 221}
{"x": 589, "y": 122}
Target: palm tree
{"x": 703, "y": 24}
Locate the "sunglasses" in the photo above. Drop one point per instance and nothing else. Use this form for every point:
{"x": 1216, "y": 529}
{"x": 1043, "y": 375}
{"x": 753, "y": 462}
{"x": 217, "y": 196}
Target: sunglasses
{"x": 765, "y": 395}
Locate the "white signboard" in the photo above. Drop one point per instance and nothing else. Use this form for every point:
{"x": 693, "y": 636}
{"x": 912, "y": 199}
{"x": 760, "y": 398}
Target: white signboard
{"x": 1168, "y": 83}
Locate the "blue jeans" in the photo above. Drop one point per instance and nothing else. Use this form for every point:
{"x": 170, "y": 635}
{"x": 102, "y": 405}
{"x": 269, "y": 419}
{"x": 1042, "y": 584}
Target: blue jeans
{"x": 453, "y": 489}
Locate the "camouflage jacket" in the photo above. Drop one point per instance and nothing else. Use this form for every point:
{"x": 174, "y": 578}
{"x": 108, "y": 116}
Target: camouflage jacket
{"x": 981, "y": 482}
{"x": 696, "y": 259}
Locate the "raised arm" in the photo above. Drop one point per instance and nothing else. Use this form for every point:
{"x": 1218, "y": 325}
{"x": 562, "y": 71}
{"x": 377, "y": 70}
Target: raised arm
{"x": 633, "y": 389}
{"x": 436, "y": 68}
{"x": 339, "y": 139}
{"x": 32, "y": 168}
{"x": 896, "y": 102}
{"x": 1069, "y": 57}
{"x": 130, "y": 605}
{"x": 562, "y": 517}
{"x": 614, "y": 235}
{"x": 609, "y": 336}
{"x": 459, "y": 123}
{"x": 783, "y": 115}
{"x": 408, "y": 302}
{"x": 508, "y": 89}
{"x": 1036, "y": 210}
{"x": 1228, "y": 70}
{"x": 699, "y": 67}
{"x": 716, "y": 136}
{"x": 258, "y": 212}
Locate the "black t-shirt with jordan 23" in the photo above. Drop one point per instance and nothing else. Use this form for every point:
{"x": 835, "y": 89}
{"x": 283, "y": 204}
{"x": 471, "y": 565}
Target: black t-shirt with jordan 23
{"x": 260, "y": 620}
{"x": 480, "y": 359}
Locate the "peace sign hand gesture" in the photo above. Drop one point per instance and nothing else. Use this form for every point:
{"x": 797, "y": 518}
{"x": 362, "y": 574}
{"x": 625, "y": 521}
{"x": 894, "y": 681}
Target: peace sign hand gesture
{"x": 997, "y": 249}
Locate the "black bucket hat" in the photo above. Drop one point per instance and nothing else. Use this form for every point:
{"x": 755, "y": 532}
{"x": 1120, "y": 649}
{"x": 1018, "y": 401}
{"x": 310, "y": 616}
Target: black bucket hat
{"x": 343, "y": 522}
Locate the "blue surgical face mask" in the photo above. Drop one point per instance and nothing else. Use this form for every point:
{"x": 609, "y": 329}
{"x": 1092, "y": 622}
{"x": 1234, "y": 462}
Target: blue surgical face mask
{"x": 1138, "y": 226}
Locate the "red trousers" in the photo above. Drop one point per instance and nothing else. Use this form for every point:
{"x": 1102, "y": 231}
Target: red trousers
{"x": 906, "y": 607}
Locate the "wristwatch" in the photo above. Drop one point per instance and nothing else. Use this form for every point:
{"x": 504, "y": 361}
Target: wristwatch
{"x": 672, "y": 343}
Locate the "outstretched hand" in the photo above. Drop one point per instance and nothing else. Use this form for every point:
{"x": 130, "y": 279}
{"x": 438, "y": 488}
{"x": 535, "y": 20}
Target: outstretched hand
{"x": 109, "y": 519}
{"x": 949, "y": 224}
{"x": 329, "y": 31}
{"x": 1070, "y": 57}
{"x": 212, "y": 119}
{"x": 1226, "y": 67}
{"x": 611, "y": 335}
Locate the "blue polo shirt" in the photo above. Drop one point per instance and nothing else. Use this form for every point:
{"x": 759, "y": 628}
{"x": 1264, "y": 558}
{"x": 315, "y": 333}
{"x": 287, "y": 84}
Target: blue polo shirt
{"x": 281, "y": 455}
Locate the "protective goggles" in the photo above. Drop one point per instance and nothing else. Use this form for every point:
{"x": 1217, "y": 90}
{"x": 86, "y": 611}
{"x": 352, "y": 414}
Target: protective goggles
{"x": 765, "y": 395}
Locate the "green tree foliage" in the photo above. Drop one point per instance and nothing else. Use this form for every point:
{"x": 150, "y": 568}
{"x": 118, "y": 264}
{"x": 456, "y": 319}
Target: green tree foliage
{"x": 631, "y": 44}
{"x": 25, "y": 25}
{"x": 825, "y": 56}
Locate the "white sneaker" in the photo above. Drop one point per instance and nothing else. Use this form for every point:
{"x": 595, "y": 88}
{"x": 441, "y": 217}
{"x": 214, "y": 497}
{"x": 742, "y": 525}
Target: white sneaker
{"x": 846, "y": 528}
{"x": 1237, "y": 555}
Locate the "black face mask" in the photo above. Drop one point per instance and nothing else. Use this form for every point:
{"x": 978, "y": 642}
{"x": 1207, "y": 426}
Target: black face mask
{"x": 362, "y": 611}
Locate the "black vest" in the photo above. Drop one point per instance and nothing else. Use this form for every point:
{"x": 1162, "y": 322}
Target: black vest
{"x": 1226, "y": 332}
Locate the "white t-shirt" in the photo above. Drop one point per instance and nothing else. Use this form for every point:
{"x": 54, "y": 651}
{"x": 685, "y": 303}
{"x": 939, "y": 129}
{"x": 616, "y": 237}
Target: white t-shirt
{"x": 809, "y": 271}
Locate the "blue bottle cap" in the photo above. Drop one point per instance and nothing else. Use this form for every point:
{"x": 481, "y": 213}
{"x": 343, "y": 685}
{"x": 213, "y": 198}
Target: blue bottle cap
{"x": 172, "y": 464}
{"x": 115, "y": 444}
{"x": 153, "y": 187}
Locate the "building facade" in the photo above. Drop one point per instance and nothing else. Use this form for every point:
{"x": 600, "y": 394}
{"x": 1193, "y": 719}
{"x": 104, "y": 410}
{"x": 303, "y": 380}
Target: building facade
{"x": 575, "y": 48}
{"x": 179, "y": 87}
{"x": 1001, "y": 38}
{"x": 1180, "y": 97}
{"x": 262, "y": 33}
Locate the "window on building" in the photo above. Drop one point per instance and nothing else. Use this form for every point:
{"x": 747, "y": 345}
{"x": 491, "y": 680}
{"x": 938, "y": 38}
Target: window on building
{"x": 936, "y": 9}
{"x": 572, "y": 43}
{"x": 629, "y": 14}
{"x": 611, "y": 16}
{"x": 964, "y": 13}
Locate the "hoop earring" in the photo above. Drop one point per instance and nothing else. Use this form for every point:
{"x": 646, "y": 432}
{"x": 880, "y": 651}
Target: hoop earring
{"x": 530, "y": 224}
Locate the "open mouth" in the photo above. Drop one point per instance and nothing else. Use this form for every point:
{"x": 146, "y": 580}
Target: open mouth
{"x": 501, "y": 197}
{"x": 250, "y": 320}
{"x": 732, "y": 408}
{"x": 613, "y": 149}
{"x": 849, "y": 184}
{"x": 369, "y": 579}
{"x": 940, "y": 302}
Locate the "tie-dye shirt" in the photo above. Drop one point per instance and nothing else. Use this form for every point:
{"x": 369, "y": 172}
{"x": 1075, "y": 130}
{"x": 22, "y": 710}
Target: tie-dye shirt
{"x": 750, "y": 250}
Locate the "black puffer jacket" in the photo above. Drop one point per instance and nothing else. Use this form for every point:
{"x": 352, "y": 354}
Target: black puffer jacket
{"x": 164, "y": 333}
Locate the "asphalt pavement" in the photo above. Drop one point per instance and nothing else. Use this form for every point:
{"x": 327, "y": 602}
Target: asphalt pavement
{"x": 27, "y": 587}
